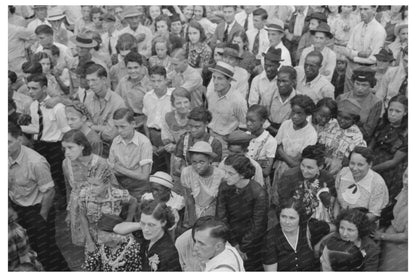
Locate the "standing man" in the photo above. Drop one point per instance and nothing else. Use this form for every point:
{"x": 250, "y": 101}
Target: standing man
{"x": 41, "y": 13}
{"x": 225, "y": 30}
{"x": 246, "y": 17}
{"x": 275, "y": 32}
{"x": 258, "y": 40}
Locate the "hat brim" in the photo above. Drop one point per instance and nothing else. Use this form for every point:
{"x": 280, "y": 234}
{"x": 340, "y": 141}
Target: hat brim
{"x": 55, "y": 18}
{"x": 329, "y": 34}
{"x": 274, "y": 29}
{"x": 398, "y": 28}
{"x": 132, "y": 15}
{"x": 212, "y": 69}
{"x": 85, "y": 45}
{"x": 161, "y": 181}
{"x": 211, "y": 154}
{"x": 271, "y": 57}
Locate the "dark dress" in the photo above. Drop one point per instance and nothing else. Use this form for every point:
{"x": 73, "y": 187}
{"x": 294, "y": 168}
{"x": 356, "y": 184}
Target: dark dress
{"x": 162, "y": 254}
{"x": 245, "y": 211}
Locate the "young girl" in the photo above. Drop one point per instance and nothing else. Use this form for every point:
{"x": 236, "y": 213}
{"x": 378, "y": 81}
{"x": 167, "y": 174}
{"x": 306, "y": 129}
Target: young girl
{"x": 97, "y": 20}
{"x": 153, "y": 12}
{"x": 77, "y": 116}
{"x": 200, "y": 15}
{"x": 198, "y": 51}
{"x": 325, "y": 114}
{"x": 161, "y": 50}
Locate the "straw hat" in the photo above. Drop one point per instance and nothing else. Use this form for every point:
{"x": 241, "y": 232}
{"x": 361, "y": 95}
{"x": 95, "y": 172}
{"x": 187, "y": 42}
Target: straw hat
{"x": 223, "y": 68}
{"x": 162, "y": 178}
{"x": 202, "y": 147}
{"x": 83, "y": 40}
{"x": 55, "y": 13}
{"x": 275, "y": 25}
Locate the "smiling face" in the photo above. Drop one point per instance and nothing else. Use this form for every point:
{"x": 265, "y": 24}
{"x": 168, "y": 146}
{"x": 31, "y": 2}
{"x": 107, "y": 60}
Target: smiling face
{"x": 221, "y": 82}
{"x": 135, "y": 70}
{"x": 151, "y": 227}
{"x": 198, "y": 12}
{"x": 359, "y": 166}
{"x": 154, "y": 11}
{"x": 188, "y": 12}
{"x": 348, "y": 231}
{"x": 309, "y": 168}
{"x": 182, "y": 105}
{"x": 289, "y": 220}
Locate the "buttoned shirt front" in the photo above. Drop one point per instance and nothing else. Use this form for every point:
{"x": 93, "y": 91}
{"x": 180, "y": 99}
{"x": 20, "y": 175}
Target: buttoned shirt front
{"x": 328, "y": 63}
{"x": 29, "y": 178}
{"x": 262, "y": 90}
{"x": 144, "y": 47}
{"x": 133, "y": 92}
{"x": 155, "y": 108}
{"x": 280, "y": 110}
{"x": 316, "y": 89}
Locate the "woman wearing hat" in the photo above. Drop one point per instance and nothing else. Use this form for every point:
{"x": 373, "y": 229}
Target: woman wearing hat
{"x": 342, "y": 135}
{"x": 200, "y": 181}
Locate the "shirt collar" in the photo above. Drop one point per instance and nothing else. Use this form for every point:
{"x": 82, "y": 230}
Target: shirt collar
{"x": 314, "y": 81}
{"x": 292, "y": 94}
{"x": 106, "y": 97}
{"x": 135, "y": 139}
{"x": 18, "y": 159}
{"x": 365, "y": 183}
{"x": 263, "y": 75}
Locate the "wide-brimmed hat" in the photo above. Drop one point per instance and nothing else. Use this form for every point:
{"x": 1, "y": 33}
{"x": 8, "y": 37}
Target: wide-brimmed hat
{"x": 39, "y": 6}
{"x": 223, "y": 68}
{"x": 228, "y": 51}
{"x": 317, "y": 15}
{"x": 385, "y": 55}
{"x": 83, "y": 40}
{"x": 55, "y": 13}
{"x": 131, "y": 12}
{"x": 275, "y": 25}
{"x": 202, "y": 147}
{"x": 162, "y": 178}
{"x": 350, "y": 106}
{"x": 108, "y": 17}
{"x": 323, "y": 27}
{"x": 398, "y": 28}
{"x": 273, "y": 54}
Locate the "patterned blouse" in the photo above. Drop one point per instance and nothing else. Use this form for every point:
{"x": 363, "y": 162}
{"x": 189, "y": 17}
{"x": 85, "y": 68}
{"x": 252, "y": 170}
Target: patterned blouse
{"x": 199, "y": 54}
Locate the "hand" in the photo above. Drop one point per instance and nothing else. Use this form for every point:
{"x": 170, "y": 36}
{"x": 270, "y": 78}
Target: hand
{"x": 90, "y": 246}
{"x": 140, "y": 37}
{"x": 170, "y": 147}
{"x": 52, "y": 102}
{"x": 24, "y": 120}
{"x": 44, "y": 215}
{"x": 377, "y": 235}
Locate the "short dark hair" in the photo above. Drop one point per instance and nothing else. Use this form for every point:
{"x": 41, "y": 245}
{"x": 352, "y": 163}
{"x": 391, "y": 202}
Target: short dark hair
{"x": 12, "y": 76}
{"x": 241, "y": 164}
{"x": 124, "y": 113}
{"x": 315, "y": 53}
{"x": 315, "y": 152}
{"x": 157, "y": 70}
{"x": 241, "y": 34}
{"x": 219, "y": 229}
{"x": 288, "y": 70}
{"x": 78, "y": 137}
{"x": 357, "y": 217}
{"x": 200, "y": 114}
{"x": 32, "y": 68}
{"x": 133, "y": 57}
{"x": 44, "y": 29}
{"x": 37, "y": 57}
{"x": 330, "y": 103}
{"x": 366, "y": 152}
{"x": 126, "y": 41}
{"x": 55, "y": 50}
{"x": 196, "y": 25}
{"x": 101, "y": 72}
{"x": 303, "y": 101}
{"x": 260, "y": 12}
{"x": 404, "y": 101}
{"x": 260, "y": 110}
{"x": 180, "y": 92}
{"x": 372, "y": 80}
{"x": 38, "y": 78}
{"x": 160, "y": 211}
{"x": 297, "y": 205}
{"x": 14, "y": 130}
{"x": 163, "y": 17}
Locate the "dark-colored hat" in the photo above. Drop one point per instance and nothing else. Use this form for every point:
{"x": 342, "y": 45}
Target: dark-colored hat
{"x": 385, "y": 55}
{"x": 232, "y": 52}
{"x": 275, "y": 25}
{"x": 83, "y": 40}
{"x": 323, "y": 27}
{"x": 273, "y": 54}
{"x": 363, "y": 74}
{"x": 223, "y": 68}
{"x": 344, "y": 255}
{"x": 239, "y": 137}
{"x": 320, "y": 16}
{"x": 175, "y": 17}
{"x": 108, "y": 17}
{"x": 350, "y": 106}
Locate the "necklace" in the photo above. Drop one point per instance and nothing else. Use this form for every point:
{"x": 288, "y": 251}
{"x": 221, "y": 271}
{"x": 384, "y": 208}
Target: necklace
{"x": 114, "y": 264}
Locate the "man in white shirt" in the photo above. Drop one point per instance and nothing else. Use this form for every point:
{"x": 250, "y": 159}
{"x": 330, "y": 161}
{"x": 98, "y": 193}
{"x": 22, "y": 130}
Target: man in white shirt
{"x": 276, "y": 33}
{"x": 41, "y": 13}
{"x": 258, "y": 40}
{"x": 245, "y": 17}
{"x": 211, "y": 247}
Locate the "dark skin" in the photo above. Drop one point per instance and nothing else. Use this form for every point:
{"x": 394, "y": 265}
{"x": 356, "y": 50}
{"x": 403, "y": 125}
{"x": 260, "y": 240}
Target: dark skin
{"x": 311, "y": 67}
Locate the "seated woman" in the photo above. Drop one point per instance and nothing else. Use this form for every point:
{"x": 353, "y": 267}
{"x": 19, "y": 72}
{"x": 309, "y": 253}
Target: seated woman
{"x": 354, "y": 226}
{"x": 358, "y": 186}
{"x": 342, "y": 135}
{"x": 310, "y": 184}
{"x": 242, "y": 203}
{"x": 158, "y": 250}
{"x": 98, "y": 199}
{"x": 288, "y": 245}
{"x": 161, "y": 50}
{"x": 200, "y": 182}
{"x": 394, "y": 238}
{"x": 325, "y": 113}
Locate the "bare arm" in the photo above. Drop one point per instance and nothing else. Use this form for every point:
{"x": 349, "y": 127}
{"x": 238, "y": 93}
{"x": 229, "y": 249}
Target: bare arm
{"x": 132, "y": 209}
{"x": 125, "y": 228}
{"x": 46, "y": 203}
{"x": 270, "y": 267}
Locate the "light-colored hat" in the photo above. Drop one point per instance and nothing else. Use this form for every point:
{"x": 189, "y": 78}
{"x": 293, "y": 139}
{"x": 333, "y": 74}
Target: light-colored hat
{"x": 202, "y": 147}
{"x": 83, "y": 40}
{"x": 162, "y": 178}
{"x": 399, "y": 27}
{"x": 132, "y": 12}
{"x": 223, "y": 68}
{"x": 275, "y": 25}
{"x": 350, "y": 106}
{"x": 55, "y": 13}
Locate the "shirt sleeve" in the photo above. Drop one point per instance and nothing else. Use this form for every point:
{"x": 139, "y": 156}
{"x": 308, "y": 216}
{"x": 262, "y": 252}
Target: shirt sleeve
{"x": 43, "y": 176}
{"x": 254, "y": 95}
{"x": 61, "y": 119}
{"x": 146, "y": 153}
{"x": 379, "y": 197}
{"x": 271, "y": 147}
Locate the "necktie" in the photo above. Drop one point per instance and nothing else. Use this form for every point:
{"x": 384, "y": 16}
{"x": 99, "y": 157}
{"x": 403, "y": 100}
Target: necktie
{"x": 403, "y": 87}
{"x": 40, "y": 122}
{"x": 246, "y": 23}
{"x": 225, "y": 39}
{"x": 256, "y": 44}
{"x": 109, "y": 45}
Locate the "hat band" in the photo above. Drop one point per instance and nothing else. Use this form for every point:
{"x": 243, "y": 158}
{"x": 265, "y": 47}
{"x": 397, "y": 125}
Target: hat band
{"x": 224, "y": 70}
{"x": 275, "y": 26}
{"x": 160, "y": 178}
{"x": 83, "y": 40}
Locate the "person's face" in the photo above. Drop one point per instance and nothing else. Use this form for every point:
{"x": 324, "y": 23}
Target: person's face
{"x": 118, "y": 11}
{"x": 45, "y": 40}
{"x": 194, "y": 35}
{"x": 345, "y": 120}
{"x": 75, "y": 120}
{"x": 133, "y": 21}
{"x": 160, "y": 193}
{"x": 161, "y": 49}
{"x": 362, "y": 89}
{"x": 97, "y": 20}
{"x": 322, "y": 116}
{"x": 311, "y": 67}
{"x": 158, "y": 82}
{"x": 200, "y": 163}
{"x": 396, "y": 112}
{"x": 403, "y": 35}
{"x": 348, "y": 231}
{"x": 309, "y": 168}
{"x": 97, "y": 84}
{"x": 154, "y": 11}
{"x": 270, "y": 67}
{"x": 182, "y": 105}
{"x": 289, "y": 220}
{"x": 188, "y": 12}
{"x": 366, "y": 13}
{"x": 333, "y": 9}
{"x": 97, "y": 186}
{"x": 179, "y": 65}
{"x": 235, "y": 149}
{"x": 151, "y": 227}
{"x": 176, "y": 27}
{"x": 108, "y": 26}
{"x": 41, "y": 13}
{"x": 346, "y": 9}
{"x": 83, "y": 52}
{"x": 258, "y": 22}
{"x": 46, "y": 65}
{"x": 274, "y": 37}
{"x": 232, "y": 177}
{"x": 134, "y": 70}
{"x": 359, "y": 166}
{"x": 238, "y": 40}
{"x": 198, "y": 12}
{"x": 14, "y": 145}
{"x": 205, "y": 246}
{"x": 395, "y": 9}
{"x": 221, "y": 83}
{"x": 85, "y": 11}
{"x": 341, "y": 66}
{"x": 313, "y": 24}
{"x": 218, "y": 54}
{"x": 254, "y": 122}
{"x": 124, "y": 128}
{"x": 284, "y": 83}
{"x": 298, "y": 115}
{"x": 72, "y": 150}
{"x": 229, "y": 14}
{"x": 230, "y": 60}
{"x": 197, "y": 128}
{"x": 319, "y": 40}
{"x": 162, "y": 27}
{"x": 36, "y": 91}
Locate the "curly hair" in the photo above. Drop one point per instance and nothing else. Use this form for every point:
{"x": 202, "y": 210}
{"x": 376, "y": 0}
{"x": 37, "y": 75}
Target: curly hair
{"x": 160, "y": 211}
{"x": 200, "y": 114}
{"x": 315, "y": 152}
{"x": 357, "y": 217}
{"x": 242, "y": 165}
{"x": 260, "y": 110}
{"x": 303, "y": 101}
{"x": 297, "y": 205}
{"x": 330, "y": 103}
{"x": 366, "y": 152}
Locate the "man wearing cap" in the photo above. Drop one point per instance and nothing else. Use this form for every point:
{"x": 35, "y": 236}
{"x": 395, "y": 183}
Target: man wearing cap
{"x": 109, "y": 40}
{"x": 401, "y": 33}
{"x": 321, "y": 35}
{"x": 384, "y": 61}
{"x": 275, "y": 33}
{"x": 227, "y": 106}
{"x": 133, "y": 16}
{"x": 367, "y": 38}
{"x": 60, "y": 33}
{"x": 41, "y": 13}
{"x": 84, "y": 45}
{"x": 371, "y": 106}
{"x": 264, "y": 85}
{"x": 258, "y": 40}
{"x": 225, "y": 30}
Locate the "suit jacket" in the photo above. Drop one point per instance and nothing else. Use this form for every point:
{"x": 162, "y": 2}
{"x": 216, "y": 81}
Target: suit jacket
{"x": 219, "y": 33}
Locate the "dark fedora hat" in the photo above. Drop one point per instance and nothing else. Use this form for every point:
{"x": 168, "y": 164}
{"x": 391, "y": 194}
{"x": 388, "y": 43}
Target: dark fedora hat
{"x": 323, "y": 27}
{"x": 320, "y": 16}
{"x": 385, "y": 55}
{"x": 364, "y": 74}
{"x": 273, "y": 54}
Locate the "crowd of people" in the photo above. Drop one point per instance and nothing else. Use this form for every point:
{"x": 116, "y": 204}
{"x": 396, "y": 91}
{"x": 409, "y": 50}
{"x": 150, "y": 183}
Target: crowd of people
{"x": 209, "y": 138}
